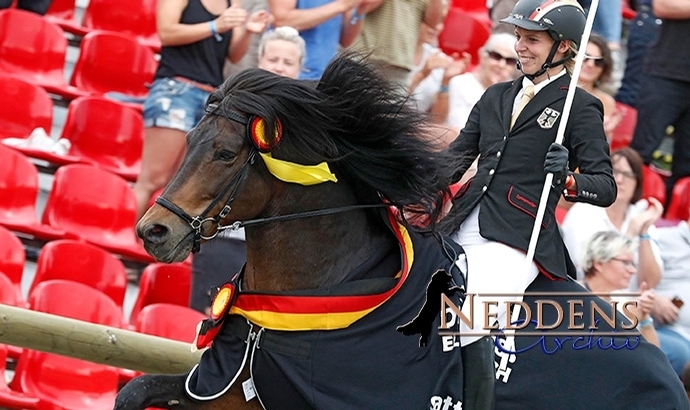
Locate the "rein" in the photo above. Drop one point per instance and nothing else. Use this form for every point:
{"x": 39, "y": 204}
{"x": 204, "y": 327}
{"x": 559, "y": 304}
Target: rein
{"x": 197, "y": 222}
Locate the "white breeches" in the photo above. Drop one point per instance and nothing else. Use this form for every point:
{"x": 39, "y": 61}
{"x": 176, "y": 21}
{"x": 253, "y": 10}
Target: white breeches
{"x": 493, "y": 268}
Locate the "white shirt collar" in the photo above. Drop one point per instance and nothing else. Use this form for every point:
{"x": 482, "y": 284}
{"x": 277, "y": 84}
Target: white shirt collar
{"x": 537, "y": 87}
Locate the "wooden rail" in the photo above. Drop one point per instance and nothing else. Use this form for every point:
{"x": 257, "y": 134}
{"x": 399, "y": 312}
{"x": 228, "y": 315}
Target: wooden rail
{"x": 95, "y": 343}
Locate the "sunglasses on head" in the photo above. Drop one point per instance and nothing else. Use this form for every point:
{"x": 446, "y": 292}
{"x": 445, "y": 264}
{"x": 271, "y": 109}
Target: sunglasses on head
{"x": 498, "y": 57}
{"x": 598, "y": 61}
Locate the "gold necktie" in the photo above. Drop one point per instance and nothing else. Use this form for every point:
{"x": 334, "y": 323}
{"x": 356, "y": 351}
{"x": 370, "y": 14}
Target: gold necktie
{"x": 526, "y": 97}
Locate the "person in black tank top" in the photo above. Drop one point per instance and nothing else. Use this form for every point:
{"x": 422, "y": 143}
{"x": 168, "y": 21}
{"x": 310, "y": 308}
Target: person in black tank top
{"x": 197, "y": 37}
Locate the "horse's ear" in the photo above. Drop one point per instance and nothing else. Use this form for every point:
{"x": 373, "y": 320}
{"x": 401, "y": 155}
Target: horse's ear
{"x": 257, "y": 132}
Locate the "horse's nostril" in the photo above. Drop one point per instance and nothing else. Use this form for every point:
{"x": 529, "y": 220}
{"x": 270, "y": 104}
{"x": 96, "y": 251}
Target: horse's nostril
{"x": 155, "y": 233}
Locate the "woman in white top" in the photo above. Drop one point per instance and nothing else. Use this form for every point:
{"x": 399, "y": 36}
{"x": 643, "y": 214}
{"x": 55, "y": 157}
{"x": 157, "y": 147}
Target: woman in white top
{"x": 628, "y": 215}
{"x": 608, "y": 261}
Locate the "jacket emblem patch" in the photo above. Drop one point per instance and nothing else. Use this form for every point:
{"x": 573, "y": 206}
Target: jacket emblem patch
{"x": 548, "y": 118}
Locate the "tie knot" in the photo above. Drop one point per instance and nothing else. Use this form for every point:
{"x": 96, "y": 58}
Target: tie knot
{"x": 529, "y": 91}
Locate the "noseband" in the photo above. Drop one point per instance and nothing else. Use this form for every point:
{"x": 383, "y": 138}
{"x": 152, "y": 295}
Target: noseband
{"x": 197, "y": 222}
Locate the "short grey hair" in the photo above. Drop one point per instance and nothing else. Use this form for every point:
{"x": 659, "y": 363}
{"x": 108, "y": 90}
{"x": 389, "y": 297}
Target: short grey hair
{"x": 285, "y": 33}
{"x": 500, "y": 38}
{"x": 603, "y": 247}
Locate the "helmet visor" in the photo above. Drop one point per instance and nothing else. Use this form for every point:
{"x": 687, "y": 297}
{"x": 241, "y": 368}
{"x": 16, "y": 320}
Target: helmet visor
{"x": 524, "y": 23}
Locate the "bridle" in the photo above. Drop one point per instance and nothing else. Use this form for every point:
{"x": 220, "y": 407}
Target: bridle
{"x": 197, "y": 222}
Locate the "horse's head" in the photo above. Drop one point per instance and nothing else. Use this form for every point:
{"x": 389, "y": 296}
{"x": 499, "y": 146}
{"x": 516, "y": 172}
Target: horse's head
{"x": 266, "y": 140}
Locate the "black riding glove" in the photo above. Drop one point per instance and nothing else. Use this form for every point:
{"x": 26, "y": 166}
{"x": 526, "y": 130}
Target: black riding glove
{"x": 556, "y": 162}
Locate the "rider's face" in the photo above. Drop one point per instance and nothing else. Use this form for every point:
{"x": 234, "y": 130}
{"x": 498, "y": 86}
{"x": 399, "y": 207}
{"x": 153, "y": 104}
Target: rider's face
{"x": 533, "y": 48}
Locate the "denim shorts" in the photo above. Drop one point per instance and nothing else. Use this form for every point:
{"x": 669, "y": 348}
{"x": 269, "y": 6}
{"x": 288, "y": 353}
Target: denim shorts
{"x": 174, "y": 104}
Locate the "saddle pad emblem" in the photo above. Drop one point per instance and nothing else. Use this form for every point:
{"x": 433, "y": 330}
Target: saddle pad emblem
{"x": 548, "y": 118}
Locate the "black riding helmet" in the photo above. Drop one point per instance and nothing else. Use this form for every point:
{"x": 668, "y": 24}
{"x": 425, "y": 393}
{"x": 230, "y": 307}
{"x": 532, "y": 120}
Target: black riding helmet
{"x": 562, "y": 19}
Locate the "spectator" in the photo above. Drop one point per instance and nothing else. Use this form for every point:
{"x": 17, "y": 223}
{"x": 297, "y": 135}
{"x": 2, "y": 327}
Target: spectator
{"x": 250, "y": 59}
{"x": 36, "y": 6}
{"x": 642, "y": 32}
{"x": 390, "y": 30}
{"x": 608, "y": 23}
{"x": 196, "y": 42}
{"x": 596, "y": 70}
{"x": 281, "y": 51}
{"x": 608, "y": 261}
{"x": 433, "y": 68}
{"x": 663, "y": 97}
{"x": 629, "y": 215}
{"x": 323, "y": 24}
{"x": 493, "y": 217}
{"x": 497, "y": 63}
{"x": 671, "y": 315}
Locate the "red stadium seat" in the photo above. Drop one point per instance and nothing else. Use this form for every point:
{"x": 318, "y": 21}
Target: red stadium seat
{"x": 62, "y": 14}
{"x": 25, "y": 106}
{"x": 679, "y": 207}
{"x": 163, "y": 283}
{"x": 9, "y": 398}
{"x": 18, "y": 195}
{"x": 623, "y": 133}
{"x": 96, "y": 206}
{"x": 65, "y": 382}
{"x": 8, "y": 295}
{"x": 170, "y": 321}
{"x": 11, "y": 295}
{"x": 134, "y": 17}
{"x": 653, "y": 185}
{"x": 626, "y": 11}
{"x": 471, "y": 5}
{"x": 34, "y": 49}
{"x": 84, "y": 263}
{"x": 110, "y": 61}
{"x": 464, "y": 32}
{"x": 103, "y": 133}
{"x": 12, "y": 259}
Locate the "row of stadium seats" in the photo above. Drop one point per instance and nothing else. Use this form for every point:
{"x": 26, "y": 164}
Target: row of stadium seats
{"x": 82, "y": 262}
{"x": 45, "y": 381}
{"x": 101, "y": 132}
{"x": 134, "y": 17}
{"x": 35, "y": 50}
{"x": 85, "y": 203}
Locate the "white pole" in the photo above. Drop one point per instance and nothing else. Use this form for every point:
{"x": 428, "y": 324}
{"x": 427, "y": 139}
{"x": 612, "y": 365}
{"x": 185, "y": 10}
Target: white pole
{"x": 546, "y": 189}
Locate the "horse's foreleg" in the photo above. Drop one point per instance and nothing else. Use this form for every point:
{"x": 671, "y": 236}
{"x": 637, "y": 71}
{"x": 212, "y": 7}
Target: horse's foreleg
{"x": 168, "y": 392}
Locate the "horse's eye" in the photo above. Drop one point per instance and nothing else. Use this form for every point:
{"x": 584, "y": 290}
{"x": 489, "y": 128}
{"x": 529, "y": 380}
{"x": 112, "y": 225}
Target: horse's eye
{"x": 225, "y": 155}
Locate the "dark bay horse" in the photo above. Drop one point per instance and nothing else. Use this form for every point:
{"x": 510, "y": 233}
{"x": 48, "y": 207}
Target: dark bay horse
{"x": 320, "y": 176}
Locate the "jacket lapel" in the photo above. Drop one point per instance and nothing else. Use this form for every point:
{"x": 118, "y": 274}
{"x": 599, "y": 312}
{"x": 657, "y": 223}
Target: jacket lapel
{"x": 507, "y": 103}
{"x": 544, "y": 98}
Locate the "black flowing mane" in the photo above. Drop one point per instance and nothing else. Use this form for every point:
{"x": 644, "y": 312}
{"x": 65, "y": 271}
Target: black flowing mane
{"x": 358, "y": 122}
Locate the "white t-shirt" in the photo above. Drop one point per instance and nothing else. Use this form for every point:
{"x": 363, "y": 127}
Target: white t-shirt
{"x": 583, "y": 221}
{"x": 463, "y": 93}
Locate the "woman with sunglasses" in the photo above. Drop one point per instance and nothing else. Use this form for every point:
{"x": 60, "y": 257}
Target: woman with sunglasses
{"x": 629, "y": 215}
{"x": 512, "y": 129}
{"x": 596, "y": 70}
{"x": 458, "y": 94}
{"x": 609, "y": 265}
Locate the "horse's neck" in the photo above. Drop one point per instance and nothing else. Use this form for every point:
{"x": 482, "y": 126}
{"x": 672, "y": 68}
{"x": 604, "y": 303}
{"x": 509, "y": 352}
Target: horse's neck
{"x": 312, "y": 252}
